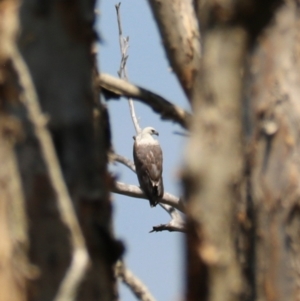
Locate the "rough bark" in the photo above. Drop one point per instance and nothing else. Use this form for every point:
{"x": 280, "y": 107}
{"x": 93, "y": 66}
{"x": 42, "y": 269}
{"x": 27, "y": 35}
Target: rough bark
{"x": 56, "y": 42}
{"x": 273, "y": 91}
{"x": 266, "y": 251}
{"x": 215, "y": 162}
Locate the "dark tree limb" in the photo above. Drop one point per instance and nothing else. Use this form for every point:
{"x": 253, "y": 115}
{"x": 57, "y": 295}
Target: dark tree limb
{"x": 167, "y": 110}
{"x": 168, "y": 227}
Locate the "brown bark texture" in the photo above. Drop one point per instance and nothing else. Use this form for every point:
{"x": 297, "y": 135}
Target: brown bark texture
{"x": 242, "y": 171}
{"x": 273, "y": 91}
{"x": 214, "y": 168}
{"x": 55, "y": 39}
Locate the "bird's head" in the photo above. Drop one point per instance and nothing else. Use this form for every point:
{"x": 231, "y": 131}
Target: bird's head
{"x": 146, "y": 135}
{"x": 149, "y": 131}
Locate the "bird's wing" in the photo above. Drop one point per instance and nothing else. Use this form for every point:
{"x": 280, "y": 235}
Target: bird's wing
{"x": 148, "y": 163}
{"x": 148, "y": 159}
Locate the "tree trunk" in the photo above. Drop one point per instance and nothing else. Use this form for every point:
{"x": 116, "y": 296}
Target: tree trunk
{"x": 56, "y": 42}
{"x": 243, "y": 238}
{"x": 274, "y": 87}
{"x": 214, "y": 168}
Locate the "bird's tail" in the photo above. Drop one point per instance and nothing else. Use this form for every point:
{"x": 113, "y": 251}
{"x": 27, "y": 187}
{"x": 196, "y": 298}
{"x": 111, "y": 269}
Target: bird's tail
{"x": 158, "y": 192}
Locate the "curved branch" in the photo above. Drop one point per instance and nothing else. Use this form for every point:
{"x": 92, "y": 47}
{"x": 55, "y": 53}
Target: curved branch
{"x": 179, "y": 30}
{"x": 136, "y": 286}
{"x": 166, "y": 109}
{"x": 136, "y": 192}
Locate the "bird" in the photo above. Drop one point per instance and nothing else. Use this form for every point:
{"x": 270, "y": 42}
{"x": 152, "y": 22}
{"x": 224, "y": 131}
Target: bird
{"x": 148, "y": 160}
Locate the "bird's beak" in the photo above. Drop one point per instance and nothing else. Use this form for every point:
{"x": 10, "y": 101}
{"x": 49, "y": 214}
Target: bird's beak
{"x": 156, "y": 133}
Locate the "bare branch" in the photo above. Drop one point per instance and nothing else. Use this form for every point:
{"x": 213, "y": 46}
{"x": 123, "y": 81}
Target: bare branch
{"x": 119, "y": 23}
{"x": 124, "y": 45}
{"x": 136, "y": 286}
{"x": 136, "y": 192}
{"x": 133, "y": 116}
{"x": 118, "y": 158}
{"x": 175, "y": 225}
{"x": 179, "y": 30}
{"x": 80, "y": 256}
{"x": 166, "y": 109}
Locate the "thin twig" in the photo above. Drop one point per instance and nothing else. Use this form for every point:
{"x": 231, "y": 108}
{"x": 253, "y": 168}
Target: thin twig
{"x": 165, "y": 108}
{"x": 136, "y": 192}
{"x": 137, "y": 287}
{"x": 80, "y": 258}
{"x": 124, "y": 45}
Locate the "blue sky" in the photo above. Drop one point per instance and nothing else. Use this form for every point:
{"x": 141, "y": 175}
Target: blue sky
{"x": 156, "y": 258}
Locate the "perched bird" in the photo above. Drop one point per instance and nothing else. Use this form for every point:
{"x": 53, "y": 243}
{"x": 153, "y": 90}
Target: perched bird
{"x": 148, "y": 161}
